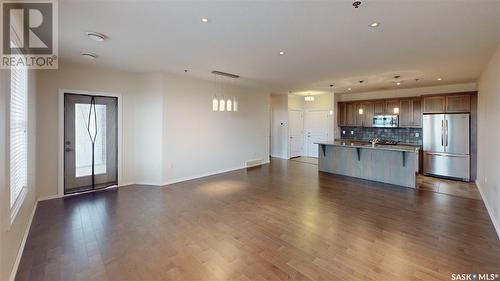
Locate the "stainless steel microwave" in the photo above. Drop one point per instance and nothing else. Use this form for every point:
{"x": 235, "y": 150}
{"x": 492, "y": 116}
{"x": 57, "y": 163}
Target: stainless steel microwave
{"x": 385, "y": 121}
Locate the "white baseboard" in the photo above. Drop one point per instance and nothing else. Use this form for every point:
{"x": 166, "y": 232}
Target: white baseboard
{"x": 210, "y": 174}
{"x": 23, "y": 243}
{"x": 280, "y": 157}
{"x": 496, "y": 223}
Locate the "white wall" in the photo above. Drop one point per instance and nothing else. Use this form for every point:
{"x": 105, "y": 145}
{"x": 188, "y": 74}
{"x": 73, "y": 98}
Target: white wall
{"x": 198, "y": 141}
{"x": 488, "y": 178}
{"x": 169, "y": 130}
{"x": 322, "y": 102}
{"x": 279, "y": 130}
{"x": 140, "y": 110}
{"x": 143, "y": 115}
{"x": 11, "y": 236}
{"x": 281, "y": 104}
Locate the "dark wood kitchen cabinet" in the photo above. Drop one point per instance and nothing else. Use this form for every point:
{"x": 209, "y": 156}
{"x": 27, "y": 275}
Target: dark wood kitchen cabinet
{"x": 434, "y": 104}
{"x": 341, "y": 114}
{"x": 416, "y": 118}
{"x": 367, "y": 116}
{"x": 447, "y": 103}
{"x": 351, "y": 114}
{"x": 458, "y": 103}
{"x": 405, "y": 113}
{"x": 410, "y": 110}
{"x": 379, "y": 108}
{"x": 410, "y": 113}
{"x": 359, "y": 115}
{"x": 392, "y": 107}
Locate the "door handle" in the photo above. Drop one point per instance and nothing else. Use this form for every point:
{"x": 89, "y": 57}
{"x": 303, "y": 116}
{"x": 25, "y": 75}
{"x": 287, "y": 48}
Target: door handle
{"x": 444, "y": 155}
{"x": 442, "y": 133}
{"x": 446, "y": 128}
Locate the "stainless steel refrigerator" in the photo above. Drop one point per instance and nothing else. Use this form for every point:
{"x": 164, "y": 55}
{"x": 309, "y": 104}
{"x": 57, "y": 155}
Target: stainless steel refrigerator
{"x": 446, "y": 139}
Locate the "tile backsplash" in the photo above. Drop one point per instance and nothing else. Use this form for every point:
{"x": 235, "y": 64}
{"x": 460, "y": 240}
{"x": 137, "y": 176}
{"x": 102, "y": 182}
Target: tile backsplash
{"x": 402, "y": 135}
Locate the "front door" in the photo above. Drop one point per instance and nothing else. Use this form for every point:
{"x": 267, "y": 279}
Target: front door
{"x": 296, "y": 132}
{"x": 90, "y": 142}
{"x": 316, "y": 127}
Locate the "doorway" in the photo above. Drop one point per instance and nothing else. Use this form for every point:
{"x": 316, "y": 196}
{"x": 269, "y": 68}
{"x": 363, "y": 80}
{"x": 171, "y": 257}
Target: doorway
{"x": 316, "y": 128}
{"x": 296, "y": 133}
{"x": 90, "y": 142}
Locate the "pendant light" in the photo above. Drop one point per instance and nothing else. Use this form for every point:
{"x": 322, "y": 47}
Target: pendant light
{"x": 235, "y": 104}
{"x": 229, "y": 104}
{"x": 215, "y": 101}
{"x": 221, "y": 101}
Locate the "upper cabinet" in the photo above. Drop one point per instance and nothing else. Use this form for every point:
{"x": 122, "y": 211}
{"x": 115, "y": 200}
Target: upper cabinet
{"x": 405, "y": 113}
{"x": 351, "y": 114}
{"x": 392, "y": 107}
{"x": 410, "y": 110}
{"x": 341, "y": 114}
{"x": 458, "y": 103}
{"x": 416, "y": 118}
{"x": 366, "y": 113}
{"x": 410, "y": 113}
{"x": 447, "y": 103}
{"x": 434, "y": 104}
{"x": 379, "y": 108}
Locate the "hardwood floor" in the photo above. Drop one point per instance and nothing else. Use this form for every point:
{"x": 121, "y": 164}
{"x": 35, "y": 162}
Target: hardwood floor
{"x": 451, "y": 187}
{"x": 279, "y": 221}
{"x": 304, "y": 159}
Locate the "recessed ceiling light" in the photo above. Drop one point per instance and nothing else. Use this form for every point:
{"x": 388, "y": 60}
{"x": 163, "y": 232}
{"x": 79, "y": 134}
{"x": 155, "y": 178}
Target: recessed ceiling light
{"x": 374, "y": 24}
{"x": 398, "y": 83}
{"x": 439, "y": 79}
{"x": 205, "y": 20}
{"x": 90, "y": 56}
{"x": 282, "y": 52}
{"x": 96, "y": 36}
{"x": 349, "y": 89}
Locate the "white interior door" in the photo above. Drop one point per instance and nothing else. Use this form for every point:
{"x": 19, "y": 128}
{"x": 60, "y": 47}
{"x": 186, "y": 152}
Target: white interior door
{"x": 316, "y": 129}
{"x": 296, "y": 132}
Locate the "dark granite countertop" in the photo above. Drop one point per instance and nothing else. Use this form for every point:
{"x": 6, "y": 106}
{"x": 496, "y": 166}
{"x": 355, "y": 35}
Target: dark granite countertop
{"x": 366, "y": 145}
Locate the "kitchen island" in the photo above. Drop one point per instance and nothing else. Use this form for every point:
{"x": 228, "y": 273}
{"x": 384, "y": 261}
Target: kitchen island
{"x": 393, "y": 164}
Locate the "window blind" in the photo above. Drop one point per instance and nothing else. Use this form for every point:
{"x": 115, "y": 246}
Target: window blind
{"x": 18, "y": 136}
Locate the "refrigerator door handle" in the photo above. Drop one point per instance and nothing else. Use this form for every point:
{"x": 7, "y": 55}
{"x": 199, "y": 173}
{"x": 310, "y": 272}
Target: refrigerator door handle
{"x": 446, "y": 130}
{"x": 442, "y": 133}
{"x": 445, "y": 155}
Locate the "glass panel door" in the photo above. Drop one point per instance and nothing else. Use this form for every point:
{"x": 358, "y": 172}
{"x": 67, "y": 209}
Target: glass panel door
{"x": 90, "y": 142}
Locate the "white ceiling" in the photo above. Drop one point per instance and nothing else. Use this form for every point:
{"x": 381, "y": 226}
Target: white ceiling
{"x": 325, "y": 41}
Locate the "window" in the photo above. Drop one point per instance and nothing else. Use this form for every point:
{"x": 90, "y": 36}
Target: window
{"x": 18, "y": 137}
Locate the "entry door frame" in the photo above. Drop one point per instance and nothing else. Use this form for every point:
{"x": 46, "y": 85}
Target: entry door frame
{"x": 289, "y": 143}
{"x": 306, "y": 151}
{"x": 60, "y": 147}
